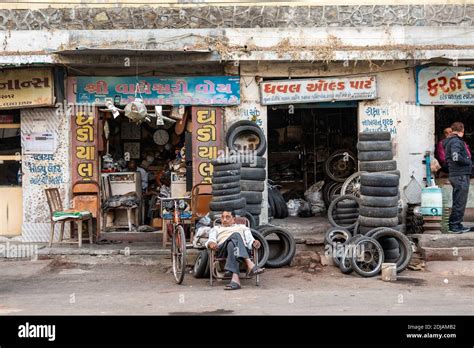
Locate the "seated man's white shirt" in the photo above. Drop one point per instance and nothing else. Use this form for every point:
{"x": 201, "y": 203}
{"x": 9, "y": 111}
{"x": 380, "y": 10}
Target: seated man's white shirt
{"x": 219, "y": 234}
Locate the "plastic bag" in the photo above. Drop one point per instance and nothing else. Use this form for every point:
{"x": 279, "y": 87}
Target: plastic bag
{"x": 305, "y": 210}
{"x": 315, "y": 197}
{"x": 293, "y": 206}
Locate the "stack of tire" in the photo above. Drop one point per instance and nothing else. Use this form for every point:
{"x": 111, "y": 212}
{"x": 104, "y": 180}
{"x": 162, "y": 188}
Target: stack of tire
{"x": 226, "y": 193}
{"x": 253, "y": 165}
{"x": 379, "y": 200}
{"x": 343, "y": 212}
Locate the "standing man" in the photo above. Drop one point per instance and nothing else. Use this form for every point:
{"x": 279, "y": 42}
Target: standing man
{"x": 460, "y": 166}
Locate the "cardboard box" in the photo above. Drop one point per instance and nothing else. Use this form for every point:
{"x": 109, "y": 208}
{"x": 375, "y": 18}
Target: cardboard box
{"x": 157, "y": 223}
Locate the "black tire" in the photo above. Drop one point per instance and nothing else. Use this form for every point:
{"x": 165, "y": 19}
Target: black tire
{"x": 279, "y": 199}
{"x": 376, "y": 253}
{"x": 378, "y": 166}
{"x": 255, "y": 162}
{"x": 289, "y": 248}
{"x": 239, "y": 124}
{"x": 374, "y": 136}
{"x": 342, "y": 216}
{"x": 346, "y": 222}
{"x": 178, "y": 254}
{"x": 249, "y": 185}
{"x": 227, "y": 205}
{"x": 202, "y": 262}
{"x": 326, "y": 189}
{"x": 227, "y": 166}
{"x": 219, "y": 173}
{"x": 251, "y": 219}
{"x": 368, "y": 231}
{"x": 226, "y": 179}
{"x": 226, "y": 192}
{"x": 248, "y": 173}
{"x": 348, "y": 205}
{"x": 264, "y": 250}
{"x": 271, "y": 203}
{"x": 337, "y": 235}
{"x": 226, "y": 186}
{"x": 379, "y": 212}
{"x": 374, "y": 146}
{"x": 379, "y": 191}
{"x": 371, "y": 201}
{"x": 332, "y": 210}
{"x": 375, "y": 155}
{"x": 240, "y": 212}
{"x": 255, "y": 209}
{"x": 276, "y": 205}
{"x": 226, "y": 198}
{"x": 379, "y": 179}
{"x": 239, "y": 130}
{"x": 389, "y": 243}
{"x": 345, "y": 265}
{"x": 252, "y": 197}
{"x": 377, "y": 222}
{"x": 391, "y": 255}
{"x": 406, "y": 251}
{"x": 347, "y": 210}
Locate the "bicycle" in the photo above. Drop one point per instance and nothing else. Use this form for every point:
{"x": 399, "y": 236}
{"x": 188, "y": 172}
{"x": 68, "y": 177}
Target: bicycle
{"x": 178, "y": 246}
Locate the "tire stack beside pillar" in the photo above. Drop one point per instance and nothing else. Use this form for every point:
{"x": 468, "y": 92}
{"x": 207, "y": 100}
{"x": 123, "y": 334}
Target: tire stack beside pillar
{"x": 380, "y": 179}
{"x": 226, "y": 193}
{"x": 248, "y": 144}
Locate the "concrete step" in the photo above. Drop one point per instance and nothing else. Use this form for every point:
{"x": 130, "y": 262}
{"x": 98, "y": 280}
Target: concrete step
{"x": 447, "y": 254}
{"x": 444, "y": 240}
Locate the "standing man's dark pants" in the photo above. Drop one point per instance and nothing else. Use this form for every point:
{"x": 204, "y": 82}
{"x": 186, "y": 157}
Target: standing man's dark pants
{"x": 460, "y": 185}
{"x": 233, "y": 249}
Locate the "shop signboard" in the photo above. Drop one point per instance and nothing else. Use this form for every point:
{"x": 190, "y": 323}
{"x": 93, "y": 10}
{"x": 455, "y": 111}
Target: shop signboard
{"x": 317, "y": 90}
{"x": 207, "y": 133}
{"x": 26, "y": 88}
{"x": 202, "y": 90}
{"x": 438, "y": 85}
{"x": 84, "y": 147}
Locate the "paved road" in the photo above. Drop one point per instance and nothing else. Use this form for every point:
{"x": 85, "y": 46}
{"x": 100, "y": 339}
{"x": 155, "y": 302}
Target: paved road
{"x": 133, "y": 285}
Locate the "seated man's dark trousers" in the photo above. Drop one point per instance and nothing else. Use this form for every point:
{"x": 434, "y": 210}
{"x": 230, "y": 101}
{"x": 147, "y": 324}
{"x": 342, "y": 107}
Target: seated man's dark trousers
{"x": 234, "y": 250}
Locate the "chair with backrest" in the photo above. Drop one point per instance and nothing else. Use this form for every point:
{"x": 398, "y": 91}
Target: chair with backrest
{"x": 60, "y": 215}
{"x": 217, "y": 262}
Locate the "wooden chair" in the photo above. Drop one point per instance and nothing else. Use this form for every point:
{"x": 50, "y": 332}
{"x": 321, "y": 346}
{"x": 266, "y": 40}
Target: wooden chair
{"x": 215, "y": 261}
{"x": 55, "y": 205}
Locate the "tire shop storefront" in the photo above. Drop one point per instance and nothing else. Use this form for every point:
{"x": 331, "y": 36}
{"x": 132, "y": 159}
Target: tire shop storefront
{"x": 451, "y": 95}
{"x": 312, "y": 132}
{"x": 172, "y": 143}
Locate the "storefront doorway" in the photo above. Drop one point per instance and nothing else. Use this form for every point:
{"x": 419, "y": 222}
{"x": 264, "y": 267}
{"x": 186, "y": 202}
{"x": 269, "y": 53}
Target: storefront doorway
{"x": 10, "y": 173}
{"x": 447, "y": 115}
{"x": 302, "y": 138}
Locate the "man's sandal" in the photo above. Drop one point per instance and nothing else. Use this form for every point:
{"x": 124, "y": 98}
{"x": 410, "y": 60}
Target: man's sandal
{"x": 232, "y": 286}
{"x": 256, "y": 270}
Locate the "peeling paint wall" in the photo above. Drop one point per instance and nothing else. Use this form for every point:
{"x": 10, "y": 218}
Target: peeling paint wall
{"x": 44, "y": 171}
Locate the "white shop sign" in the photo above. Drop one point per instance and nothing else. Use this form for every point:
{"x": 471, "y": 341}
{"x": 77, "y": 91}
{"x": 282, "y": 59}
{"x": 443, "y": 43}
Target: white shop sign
{"x": 317, "y": 90}
{"x": 40, "y": 143}
{"x": 438, "y": 85}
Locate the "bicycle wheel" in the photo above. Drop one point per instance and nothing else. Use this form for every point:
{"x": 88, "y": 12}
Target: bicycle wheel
{"x": 178, "y": 253}
{"x": 352, "y": 185}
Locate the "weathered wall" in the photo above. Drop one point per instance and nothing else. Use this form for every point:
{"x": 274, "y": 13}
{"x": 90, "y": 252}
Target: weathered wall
{"x": 227, "y": 16}
{"x": 44, "y": 171}
{"x": 412, "y": 126}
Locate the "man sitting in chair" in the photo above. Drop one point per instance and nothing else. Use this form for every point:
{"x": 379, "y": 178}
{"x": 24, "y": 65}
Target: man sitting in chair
{"x": 231, "y": 241}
